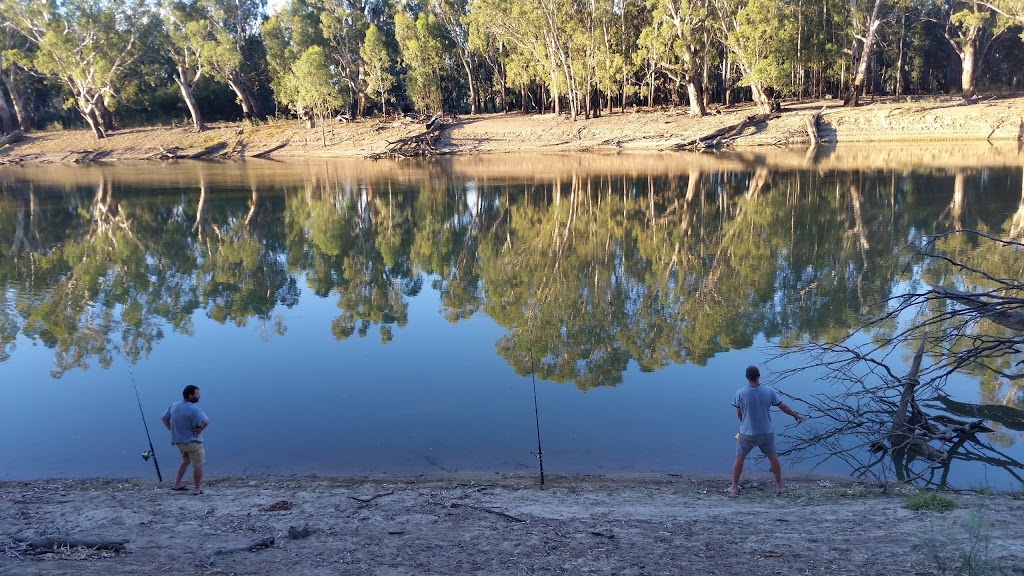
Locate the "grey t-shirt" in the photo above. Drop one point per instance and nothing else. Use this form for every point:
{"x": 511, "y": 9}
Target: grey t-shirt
{"x": 184, "y": 416}
{"x": 755, "y": 402}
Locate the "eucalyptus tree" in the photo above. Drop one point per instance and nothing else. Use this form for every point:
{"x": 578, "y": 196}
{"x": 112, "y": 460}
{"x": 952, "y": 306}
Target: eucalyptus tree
{"x": 759, "y": 33}
{"x": 421, "y": 52}
{"x": 970, "y": 26}
{"x": 309, "y": 88}
{"x": 183, "y": 23}
{"x": 89, "y": 46}
{"x": 449, "y": 14}
{"x": 377, "y": 62}
{"x": 343, "y": 24}
{"x": 226, "y": 32}
{"x": 536, "y": 36}
{"x": 676, "y": 33}
{"x": 287, "y": 34}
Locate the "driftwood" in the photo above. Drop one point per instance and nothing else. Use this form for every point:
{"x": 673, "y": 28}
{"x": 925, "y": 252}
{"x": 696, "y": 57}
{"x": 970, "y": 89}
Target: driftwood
{"x": 422, "y": 144}
{"x": 16, "y": 136}
{"x": 46, "y": 544}
{"x": 724, "y": 136}
{"x": 208, "y": 151}
{"x": 812, "y": 127}
{"x": 89, "y": 156}
{"x": 172, "y": 153}
{"x": 260, "y": 544}
{"x": 371, "y": 498}
{"x": 270, "y": 150}
{"x": 508, "y": 517}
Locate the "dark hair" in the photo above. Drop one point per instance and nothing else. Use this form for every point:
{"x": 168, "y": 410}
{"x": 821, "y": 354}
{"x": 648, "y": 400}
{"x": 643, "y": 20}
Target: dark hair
{"x": 188, "y": 391}
{"x": 753, "y": 373}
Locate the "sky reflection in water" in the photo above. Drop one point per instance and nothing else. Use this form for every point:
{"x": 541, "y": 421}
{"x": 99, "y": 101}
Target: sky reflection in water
{"x": 471, "y": 277}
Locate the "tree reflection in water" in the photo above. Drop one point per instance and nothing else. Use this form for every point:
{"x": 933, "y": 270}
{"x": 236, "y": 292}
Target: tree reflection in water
{"x": 586, "y": 269}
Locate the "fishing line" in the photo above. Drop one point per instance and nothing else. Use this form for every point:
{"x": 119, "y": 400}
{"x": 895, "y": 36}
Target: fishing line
{"x": 536, "y": 412}
{"x": 151, "y": 453}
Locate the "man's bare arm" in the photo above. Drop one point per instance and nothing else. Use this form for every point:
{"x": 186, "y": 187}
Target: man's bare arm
{"x": 791, "y": 412}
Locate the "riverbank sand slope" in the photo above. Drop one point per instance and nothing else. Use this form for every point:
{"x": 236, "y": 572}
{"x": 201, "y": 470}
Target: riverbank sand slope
{"x": 503, "y": 525}
{"x": 911, "y": 120}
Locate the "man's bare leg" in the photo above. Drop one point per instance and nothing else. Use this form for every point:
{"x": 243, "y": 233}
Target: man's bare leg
{"x": 181, "y": 474}
{"x": 737, "y": 470}
{"x": 777, "y": 472}
{"x": 197, "y": 478}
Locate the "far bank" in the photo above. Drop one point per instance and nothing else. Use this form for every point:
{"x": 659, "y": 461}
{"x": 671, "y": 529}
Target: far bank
{"x": 901, "y": 126}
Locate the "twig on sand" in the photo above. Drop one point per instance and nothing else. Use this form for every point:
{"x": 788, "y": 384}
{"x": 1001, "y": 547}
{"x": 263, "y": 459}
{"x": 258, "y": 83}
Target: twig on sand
{"x": 260, "y": 544}
{"x": 371, "y": 498}
{"x": 508, "y": 517}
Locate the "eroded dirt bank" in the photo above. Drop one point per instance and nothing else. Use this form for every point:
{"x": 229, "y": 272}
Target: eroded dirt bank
{"x": 498, "y": 524}
{"x": 928, "y": 120}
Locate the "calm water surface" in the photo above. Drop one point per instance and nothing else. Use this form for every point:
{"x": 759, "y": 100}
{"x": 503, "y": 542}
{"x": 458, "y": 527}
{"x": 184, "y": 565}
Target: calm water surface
{"x": 377, "y": 318}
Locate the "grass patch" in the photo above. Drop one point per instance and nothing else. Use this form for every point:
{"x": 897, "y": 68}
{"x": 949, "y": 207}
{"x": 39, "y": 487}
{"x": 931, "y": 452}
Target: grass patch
{"x": 931, "y": 501}
{"x": 966, "y": 553}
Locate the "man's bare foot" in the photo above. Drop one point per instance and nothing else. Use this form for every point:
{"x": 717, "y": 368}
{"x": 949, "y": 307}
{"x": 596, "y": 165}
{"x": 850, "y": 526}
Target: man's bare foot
{"x": 732, "y": 490}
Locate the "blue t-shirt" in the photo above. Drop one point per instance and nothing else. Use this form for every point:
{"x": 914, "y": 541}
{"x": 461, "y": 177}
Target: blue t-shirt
{"x": 184, "y": 417}
{"x": 755, "y": 402}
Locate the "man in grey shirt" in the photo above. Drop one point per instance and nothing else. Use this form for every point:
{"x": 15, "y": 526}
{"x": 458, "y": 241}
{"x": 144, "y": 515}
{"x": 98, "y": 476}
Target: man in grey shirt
{"x": 186, "y": 421}
{"x": 753, "y": 405}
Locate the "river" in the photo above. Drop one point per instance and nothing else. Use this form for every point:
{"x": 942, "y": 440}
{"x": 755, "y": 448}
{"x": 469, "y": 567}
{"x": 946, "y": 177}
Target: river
{"x": 457, "y": 314}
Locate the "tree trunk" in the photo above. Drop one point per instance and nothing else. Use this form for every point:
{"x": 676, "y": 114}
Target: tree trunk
{"x": 763, "y": 100}
{"x": 857, "y": 84}
{"x": 244, "y": 98}
{"x": 467, "y": 64}
{"x": 899, "y": 61}
{"x": 19, "y": 108}
{"x": 968, "y": 58}
{"x": 6, "y": 120}
{"x": 695, "y": 92}
{"x": 190, "y": 100}
{"x": 103, "y": 113}
{"x": 88, "y": 111}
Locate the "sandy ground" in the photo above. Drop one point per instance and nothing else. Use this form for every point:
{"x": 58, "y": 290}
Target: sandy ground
{"x": 922, "y": 120}
{"x": 500, "y": 524}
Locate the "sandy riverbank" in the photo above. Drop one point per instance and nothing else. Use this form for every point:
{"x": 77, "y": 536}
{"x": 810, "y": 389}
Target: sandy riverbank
{"x": 502, "y": 524}
{"x": 931, "y": 120}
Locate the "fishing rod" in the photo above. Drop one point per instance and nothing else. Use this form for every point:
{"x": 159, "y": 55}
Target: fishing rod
{"x": 536, "y": 412}
{"x": 151, "y": 453}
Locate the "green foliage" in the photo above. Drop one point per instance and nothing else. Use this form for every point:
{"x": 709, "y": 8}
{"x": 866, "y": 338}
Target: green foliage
{"x": 309, "y": 86}
{"x": 378, "y": 78}
{"x": 763, "y": 40}
{"x": 420, "y": 47}
{"x": 931, "y": 501}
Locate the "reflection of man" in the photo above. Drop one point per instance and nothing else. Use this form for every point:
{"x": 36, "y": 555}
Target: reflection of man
{"x": 753, "y": 407}
{"x": 186, "y": 421}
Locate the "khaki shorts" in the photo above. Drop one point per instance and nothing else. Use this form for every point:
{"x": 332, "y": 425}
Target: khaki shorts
{"x": 192, "y": 453}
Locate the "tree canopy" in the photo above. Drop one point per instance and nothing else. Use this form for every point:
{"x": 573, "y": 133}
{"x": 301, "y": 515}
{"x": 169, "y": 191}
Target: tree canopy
{"x": 562, "y": 56}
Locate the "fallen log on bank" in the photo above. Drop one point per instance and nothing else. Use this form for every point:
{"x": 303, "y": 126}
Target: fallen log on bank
{"x": 725, "y": 136}
{"x": 270, "y": 150}
{"x": 812, "y": 127}
{"x": 208, "y": 151}
{"x": 13, "y": 137}
{"x": 45, "y": 544}
{"x": 422, "y": 144}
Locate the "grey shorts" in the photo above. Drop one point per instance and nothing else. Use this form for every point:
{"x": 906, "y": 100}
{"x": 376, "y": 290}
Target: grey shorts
{"x": 766, "y": 442}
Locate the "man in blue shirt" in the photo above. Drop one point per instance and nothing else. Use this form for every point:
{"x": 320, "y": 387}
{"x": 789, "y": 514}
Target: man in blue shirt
{"x": 753, "y": 405}
{"x": 186, "y": 421}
